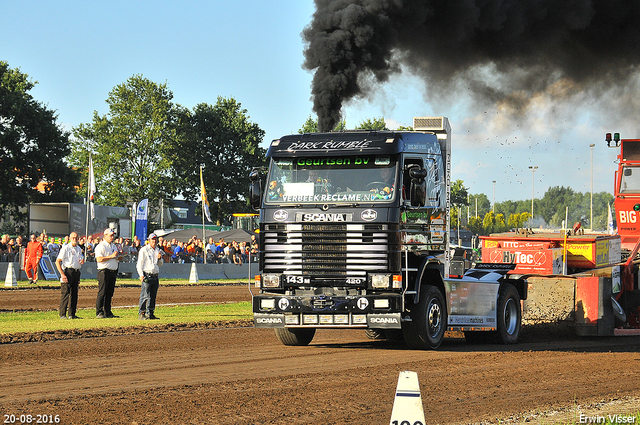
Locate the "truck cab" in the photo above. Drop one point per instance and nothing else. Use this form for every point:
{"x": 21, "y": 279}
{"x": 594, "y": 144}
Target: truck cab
{"x": 354, "y": 234}
{"x": 627, "y": 190}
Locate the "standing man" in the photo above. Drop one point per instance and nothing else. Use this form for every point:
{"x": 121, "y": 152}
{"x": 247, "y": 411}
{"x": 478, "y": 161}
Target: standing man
{"x": 107, "y": 257}
{"x": 149, "y": 258}
{"x": 32, "y": 258}
{"x": 68, "y": 263}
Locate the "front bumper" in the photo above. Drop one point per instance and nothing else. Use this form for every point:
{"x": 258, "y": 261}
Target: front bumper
{"x": 325, "y": 311}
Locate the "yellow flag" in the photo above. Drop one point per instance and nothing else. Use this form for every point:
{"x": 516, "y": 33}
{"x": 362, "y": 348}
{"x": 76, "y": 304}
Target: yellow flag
{"x": 203, "y": 193}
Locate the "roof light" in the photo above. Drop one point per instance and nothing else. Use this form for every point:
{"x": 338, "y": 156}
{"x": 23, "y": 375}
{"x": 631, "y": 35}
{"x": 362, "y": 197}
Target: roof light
{"x": 607, "y": 139}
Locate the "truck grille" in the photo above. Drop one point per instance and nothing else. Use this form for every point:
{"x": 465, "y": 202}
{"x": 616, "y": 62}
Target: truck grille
{"x": 326, "y": 250}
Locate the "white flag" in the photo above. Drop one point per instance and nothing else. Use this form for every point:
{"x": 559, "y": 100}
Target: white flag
{"x": 610, "y": 228}
{"x": 92, "y": 188}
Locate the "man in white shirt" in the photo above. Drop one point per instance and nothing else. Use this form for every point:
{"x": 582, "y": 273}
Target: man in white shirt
{"x": 149, "y": 258}
{"x": 107, "y": 257}
{"x": 68, "y": 263}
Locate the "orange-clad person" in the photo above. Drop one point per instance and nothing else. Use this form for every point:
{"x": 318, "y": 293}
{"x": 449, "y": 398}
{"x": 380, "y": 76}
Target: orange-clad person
{"x": 32, "y": 257}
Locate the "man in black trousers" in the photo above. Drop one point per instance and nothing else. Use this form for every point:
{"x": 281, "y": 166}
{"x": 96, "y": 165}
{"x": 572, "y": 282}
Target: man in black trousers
{"x": 68, "y": 263}
{"x": 107, "y": 257}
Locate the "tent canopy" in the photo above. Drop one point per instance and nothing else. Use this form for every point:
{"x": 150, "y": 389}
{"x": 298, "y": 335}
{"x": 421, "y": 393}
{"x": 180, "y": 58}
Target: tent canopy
{"x": 238, "y": 235}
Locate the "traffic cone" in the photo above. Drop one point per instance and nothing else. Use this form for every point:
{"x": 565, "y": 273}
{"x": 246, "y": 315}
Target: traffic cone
{"x": 10, "y": 279}
{"x": 193, "y": 276}
{"x": 407, "y": 405}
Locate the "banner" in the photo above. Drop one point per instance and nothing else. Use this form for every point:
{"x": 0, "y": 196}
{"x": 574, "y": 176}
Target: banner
{"x": 205, "y": 202}
{"x": 141, "y": 220}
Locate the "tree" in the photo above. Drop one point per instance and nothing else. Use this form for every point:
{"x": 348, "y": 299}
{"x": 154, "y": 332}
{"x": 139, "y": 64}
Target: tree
{"x": 499, "y": 223}
{"x": 136, "y": 146}
{"x": 459, "y": 193}
{"x": 32, "y": 151}
{"x": 373, "y": 124}
{"x": 518, "y": 220}
{"x": 309, "y": 126}
{"x": 482, "y": 202}
{"x": 475, "y": 225}
{"x": 227, "y": 144}
{"x": 488, "y": 222}
{"x": 552, "y": 206}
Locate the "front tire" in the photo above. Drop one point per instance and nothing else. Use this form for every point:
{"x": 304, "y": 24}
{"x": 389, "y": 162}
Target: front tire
{"x": 509, "y": 315}
{"x": 428, "y": 320}
{"x": 295, "y": 336}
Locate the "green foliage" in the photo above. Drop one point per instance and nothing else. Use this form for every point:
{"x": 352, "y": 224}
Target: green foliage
{"x": 476, "y": 225}
{"x": 136, "y": 146}
{"x": 33, "y": 148}
{"x": 488, "y": 222}
{"x": 341, "y": 126}
{"x": 482, "y": 202}
{"x": 372, "y": 124}
{"x": 149, "y": 147}
{"x": 309, "y": 126}
{"x": 459, "y": 193}
{"x": 227, "y": 144}
{"x": 500, "y": 224}
{"x": 517, "y": 214}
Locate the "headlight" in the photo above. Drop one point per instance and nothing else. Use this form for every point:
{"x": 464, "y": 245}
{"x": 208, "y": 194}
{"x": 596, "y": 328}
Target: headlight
{"x": 380, "y": 281}
{"x": 270, "y": 281}
{"x": 380, "y": 303}
{"x": 268, "y": 304}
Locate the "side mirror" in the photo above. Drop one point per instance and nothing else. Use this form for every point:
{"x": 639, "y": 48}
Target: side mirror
{"x": 417, "y": 173}
{"x": 418, "y": 189}
{"x": 255, "y": 189}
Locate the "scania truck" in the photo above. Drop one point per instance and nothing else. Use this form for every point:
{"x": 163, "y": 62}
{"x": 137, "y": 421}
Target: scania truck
{"x": 354, "y": 233}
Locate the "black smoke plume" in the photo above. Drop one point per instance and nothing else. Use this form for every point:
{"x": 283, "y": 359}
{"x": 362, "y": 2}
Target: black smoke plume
{"x": 491, "y": 48}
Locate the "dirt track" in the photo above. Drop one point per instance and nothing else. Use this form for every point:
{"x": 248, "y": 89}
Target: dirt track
{"x": 244, "y": 376}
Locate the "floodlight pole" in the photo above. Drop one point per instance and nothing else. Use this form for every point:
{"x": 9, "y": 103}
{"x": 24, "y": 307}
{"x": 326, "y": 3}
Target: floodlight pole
{"x": 592, "y": 145}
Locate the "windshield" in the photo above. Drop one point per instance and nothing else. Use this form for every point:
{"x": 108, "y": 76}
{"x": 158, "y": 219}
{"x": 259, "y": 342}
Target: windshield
{"x": 331, "y": 179}
{"x": 630, "y": 181}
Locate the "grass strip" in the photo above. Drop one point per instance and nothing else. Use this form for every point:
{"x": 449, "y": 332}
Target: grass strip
{"x": 48, "y": 284}
{"x": 40, "y": 321}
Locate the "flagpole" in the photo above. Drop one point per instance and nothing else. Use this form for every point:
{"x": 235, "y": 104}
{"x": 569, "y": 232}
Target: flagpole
{"x": 204, "y": 245}
{"x": 86, "y": 229}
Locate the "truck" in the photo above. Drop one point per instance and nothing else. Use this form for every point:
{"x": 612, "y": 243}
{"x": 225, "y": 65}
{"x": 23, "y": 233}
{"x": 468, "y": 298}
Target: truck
{"x": 354, "y": 234}
{"x": 626, "y": 189}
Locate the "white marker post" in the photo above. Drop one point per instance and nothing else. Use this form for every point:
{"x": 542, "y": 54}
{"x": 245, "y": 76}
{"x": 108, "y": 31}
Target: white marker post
{"x": 407, "y": 406}
{"x": 193, "y": 276}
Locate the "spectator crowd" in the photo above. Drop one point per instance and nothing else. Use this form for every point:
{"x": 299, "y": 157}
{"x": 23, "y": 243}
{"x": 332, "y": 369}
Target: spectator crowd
{"x": 193, "y": 251}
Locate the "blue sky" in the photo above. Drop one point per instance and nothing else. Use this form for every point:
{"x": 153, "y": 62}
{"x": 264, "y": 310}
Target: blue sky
{"x": 252, "y": 50}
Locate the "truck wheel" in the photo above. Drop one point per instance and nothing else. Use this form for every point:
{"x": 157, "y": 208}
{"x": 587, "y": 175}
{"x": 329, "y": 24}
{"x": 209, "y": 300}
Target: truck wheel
{"x": 428, "y": 320}
{"x": 374, "y": 334}
{"x": 509, "y": 315}
{"x": 295, "y": 336}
